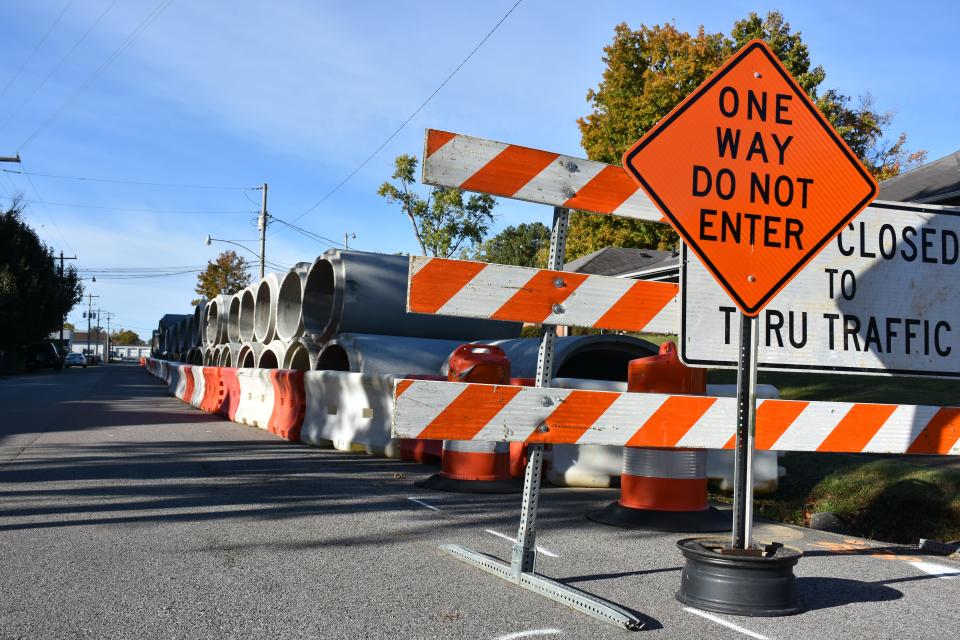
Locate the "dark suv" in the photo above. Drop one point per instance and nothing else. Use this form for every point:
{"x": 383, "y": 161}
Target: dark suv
{"x": 42, "y": 355}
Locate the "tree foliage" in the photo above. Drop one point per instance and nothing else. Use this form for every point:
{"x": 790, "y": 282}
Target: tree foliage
{"x": 227, "y": 274}
{"x": 521, "y": 245}
{"x": 34, "y": 297}
{"x": 443, "y": 222}
{"x": 651, "y": 69}
{"x": 125, "y": 337}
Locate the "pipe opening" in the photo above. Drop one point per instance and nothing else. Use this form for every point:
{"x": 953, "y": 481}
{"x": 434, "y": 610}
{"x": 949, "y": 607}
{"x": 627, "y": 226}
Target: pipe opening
{"x": 213, "y": 324}
{"x": 233, "y": 319}
{"x": 598, "y": 364}
{"x": 298, "y": 358}
{"x": 318, "y": 297}
{"x": 289, "y": 299}
{"x": 248, "y": 360}
{"x": 247, "y": 303}
{"x": 333, "y": 358}
{"x": 268, "y": 360}
{"x": 261, "y": 311}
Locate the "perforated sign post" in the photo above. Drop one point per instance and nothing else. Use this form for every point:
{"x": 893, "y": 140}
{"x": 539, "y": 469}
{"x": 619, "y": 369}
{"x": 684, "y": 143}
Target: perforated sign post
{"x": 756, "y": 182}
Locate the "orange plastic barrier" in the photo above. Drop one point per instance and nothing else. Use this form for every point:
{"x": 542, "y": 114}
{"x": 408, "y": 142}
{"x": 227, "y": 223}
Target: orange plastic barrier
{"x": 289, "y": 404}
{"x": 229, "y": 391}
{"x": 187, "y": 373}
{"x": 211, "y": 390}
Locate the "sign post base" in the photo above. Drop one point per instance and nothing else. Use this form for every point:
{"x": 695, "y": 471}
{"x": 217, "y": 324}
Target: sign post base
{"x": 559, "y": 592}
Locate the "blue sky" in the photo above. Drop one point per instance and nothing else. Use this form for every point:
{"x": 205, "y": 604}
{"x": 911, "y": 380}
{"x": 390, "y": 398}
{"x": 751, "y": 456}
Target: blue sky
{"x": 298, "y": 93}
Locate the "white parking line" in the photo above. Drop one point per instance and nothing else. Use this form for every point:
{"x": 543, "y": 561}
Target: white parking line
{"x": 529, "y": 634}
{"x": 423, "y": 504}
{"x": 939, "y": 570}
{"x": 729, "y": 625}
{"x": 545, "y": 552}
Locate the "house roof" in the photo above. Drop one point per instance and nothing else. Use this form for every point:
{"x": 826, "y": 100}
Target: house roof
{"x": 615, "y": 261}
{"x": 937, "y": 182}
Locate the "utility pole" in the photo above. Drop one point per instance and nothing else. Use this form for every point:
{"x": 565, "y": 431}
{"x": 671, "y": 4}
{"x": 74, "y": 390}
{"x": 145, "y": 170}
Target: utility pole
{"x": 262, "y": 225}
{"x": 90, "y": 298}
{"x": 98, "y": 329}
{"x": 109, "y": 315}
{"x": 62, "y": 258}
{"x": 346, "y": 239}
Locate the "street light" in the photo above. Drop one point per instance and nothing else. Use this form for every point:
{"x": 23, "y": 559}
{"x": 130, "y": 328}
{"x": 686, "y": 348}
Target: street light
{"x": 210, "y": 240}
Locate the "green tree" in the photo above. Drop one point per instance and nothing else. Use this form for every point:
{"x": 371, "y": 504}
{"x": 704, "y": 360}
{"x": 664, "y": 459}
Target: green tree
{"x": 69, "y": 326}
{"x": 125, "y": 337}
{"x": 34, "y": 297}
{"x": 651, "y": 69}
{"x": 227, "y": 274}
{"x": 520, "y": 245}
{"x": 443, "y": 222}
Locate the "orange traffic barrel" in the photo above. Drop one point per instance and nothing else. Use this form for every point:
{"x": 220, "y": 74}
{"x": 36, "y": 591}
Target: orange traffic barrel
{"x": 664, "y": 489}
{"x": 471, "y": 466}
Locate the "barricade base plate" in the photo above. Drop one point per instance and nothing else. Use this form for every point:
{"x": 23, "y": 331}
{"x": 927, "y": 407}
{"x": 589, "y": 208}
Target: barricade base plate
{"x": 707, "y": 521}
{"x": 438, "y": 482}
{"x": 556, "y": 591}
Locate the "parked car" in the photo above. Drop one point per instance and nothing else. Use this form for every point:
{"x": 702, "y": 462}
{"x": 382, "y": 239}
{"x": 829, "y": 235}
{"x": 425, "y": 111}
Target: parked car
{"x": 75, "y": 359}
{"x": 42, "y": 355}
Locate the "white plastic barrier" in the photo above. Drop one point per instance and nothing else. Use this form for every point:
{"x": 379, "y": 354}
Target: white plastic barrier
{"x": 198, "y": 386}
{"x": 177, "y": 382}
{"x": 594, "y": 465}
{"x": 256, "y": 397}
{"x": 350, "y": 411}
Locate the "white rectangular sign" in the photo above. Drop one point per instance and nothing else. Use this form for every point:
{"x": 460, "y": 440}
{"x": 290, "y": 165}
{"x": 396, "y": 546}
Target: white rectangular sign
{"x": 881, "y": 299}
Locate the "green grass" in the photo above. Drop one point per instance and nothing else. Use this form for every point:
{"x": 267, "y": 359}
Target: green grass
{"x": 847, "y": 388}
{"x": 894, "y": 499}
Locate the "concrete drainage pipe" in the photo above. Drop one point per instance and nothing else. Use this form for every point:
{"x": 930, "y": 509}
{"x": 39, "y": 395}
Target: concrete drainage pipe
{"x": 246, "y": 315}
{"x": 302, "y": 355}
{"x": 272, "y": 355}
{"x": 217, "y": 320}
{"x": 366, "y": 293}
{"x": 290, "y": 305}
{"x": 265, "y": 309}
{"x": 248, "y": 355}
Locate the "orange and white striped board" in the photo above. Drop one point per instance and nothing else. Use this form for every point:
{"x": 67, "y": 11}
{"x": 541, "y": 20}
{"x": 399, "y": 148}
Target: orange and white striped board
{"x": 458, "y": 411}
{"x": 480, "y": 290}
{"x": 522, "y": 173}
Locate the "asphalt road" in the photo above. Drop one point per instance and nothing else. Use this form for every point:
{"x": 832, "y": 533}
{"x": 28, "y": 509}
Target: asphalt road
{"x": 127, "y": 514}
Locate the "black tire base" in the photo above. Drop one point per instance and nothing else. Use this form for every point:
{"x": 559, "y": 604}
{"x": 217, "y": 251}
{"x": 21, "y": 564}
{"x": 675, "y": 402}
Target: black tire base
{"x": 706, "y": 521}
{"x": 738, "y": 585}
{"x": 437, "y": 482}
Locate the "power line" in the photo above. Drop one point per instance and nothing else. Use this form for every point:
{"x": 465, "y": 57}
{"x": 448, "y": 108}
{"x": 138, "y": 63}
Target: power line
{"x": 333, "y": 244}
{"x": 56, "y": 67}
{"x": 49, "y": 214}
{"x": 134, "y": 209}
{"x": 134, "y": 182}
{"x": 153, "y": 15}
{"x": 412, "y": 115}
{"x": 23, "y": 66}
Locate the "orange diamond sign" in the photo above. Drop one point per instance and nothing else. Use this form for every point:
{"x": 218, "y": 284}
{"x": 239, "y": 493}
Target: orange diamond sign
{"x": 751, "y": 175}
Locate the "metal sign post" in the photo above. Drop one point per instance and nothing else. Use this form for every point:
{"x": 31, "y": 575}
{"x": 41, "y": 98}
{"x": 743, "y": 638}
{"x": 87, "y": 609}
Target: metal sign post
{"x": 522, "y": 568}
{"x": 746, "y": 433}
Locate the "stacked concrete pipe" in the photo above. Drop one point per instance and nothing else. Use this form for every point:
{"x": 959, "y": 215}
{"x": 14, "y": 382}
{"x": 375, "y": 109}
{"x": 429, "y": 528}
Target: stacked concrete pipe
{"x": 366, "y": 293}
{"x": 249, "y": 354}
{"x": 199, "y": 323}
{"x": 245, "y": 319}
{"x": 290, "y": 302}
{"x": 230, "y": 354}
{"x": 217, "y": 320}
{"x": 600, "y": 357}
{"x": 233, "y": 318}
{"x": 302, "y": 355}
{"x": 265, "y": 309}
{"x": 272, "y": 355}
